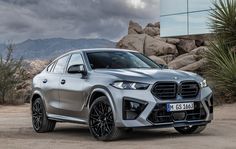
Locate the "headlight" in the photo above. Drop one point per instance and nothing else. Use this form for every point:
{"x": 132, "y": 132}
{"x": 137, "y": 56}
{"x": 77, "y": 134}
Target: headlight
{"x": 125, "y": 85}
{"x": 203, "y": 84}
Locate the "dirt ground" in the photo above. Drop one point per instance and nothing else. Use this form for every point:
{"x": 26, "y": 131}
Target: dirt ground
{"x": 16, "y": 133}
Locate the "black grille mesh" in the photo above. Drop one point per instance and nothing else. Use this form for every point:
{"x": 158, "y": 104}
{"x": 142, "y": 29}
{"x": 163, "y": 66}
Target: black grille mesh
{"x": 165, "y": 90}
{"x": 169, "y": 90}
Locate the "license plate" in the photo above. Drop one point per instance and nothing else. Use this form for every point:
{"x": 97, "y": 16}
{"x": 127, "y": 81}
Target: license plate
{"x": 180, "y": 106}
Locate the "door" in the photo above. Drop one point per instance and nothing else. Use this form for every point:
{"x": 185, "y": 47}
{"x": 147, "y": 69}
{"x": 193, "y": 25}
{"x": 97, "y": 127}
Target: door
{"x": 50, "y": 83}
{"x": 71, "y": 88}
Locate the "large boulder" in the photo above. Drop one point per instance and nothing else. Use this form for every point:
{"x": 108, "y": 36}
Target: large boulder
{"x": 132, "y": 42}
{"x": 194, "y": 66}
{"x": 168, "y": 58}
{"x": 182, "y": 61}
{"x": 134, "y": 28}
{"x": 199, "y": 42}
{"x": 156, "y": 47}
{"x": 152, "y": 30}
{"x": 159, "y": 38}
{"x": 185, "y": 46}
{"x": 174, "y": 41}
{"x": 199, "y": 51}
{"x": 158, "y": 60}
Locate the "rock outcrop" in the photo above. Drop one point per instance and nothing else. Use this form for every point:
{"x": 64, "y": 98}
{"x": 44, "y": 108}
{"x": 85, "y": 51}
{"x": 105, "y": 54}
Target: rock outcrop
{"x": 183, "y": 54}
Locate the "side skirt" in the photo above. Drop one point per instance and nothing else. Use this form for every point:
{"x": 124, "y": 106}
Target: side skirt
{"x": 60, "y": 118}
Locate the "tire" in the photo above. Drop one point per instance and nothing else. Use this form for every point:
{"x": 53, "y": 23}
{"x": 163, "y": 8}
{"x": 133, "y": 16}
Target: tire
{"x": 190, "y": 129}
{"x": 40, "y": 121}
{"x": 101, "y": 121}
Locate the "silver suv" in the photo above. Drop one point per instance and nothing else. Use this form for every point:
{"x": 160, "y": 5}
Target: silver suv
{"x": 115, "y": 90}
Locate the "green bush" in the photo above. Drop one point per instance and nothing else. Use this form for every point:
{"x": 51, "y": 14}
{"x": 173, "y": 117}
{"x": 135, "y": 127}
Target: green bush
{"x": 222, "y": 55}
{"x": 222, "y": 66}
{"x": 223, "y": 20}
{"x": 11, "y": 75}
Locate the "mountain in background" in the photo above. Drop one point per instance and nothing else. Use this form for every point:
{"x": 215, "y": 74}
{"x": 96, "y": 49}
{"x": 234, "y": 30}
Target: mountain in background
{"x": 53, "y": 47}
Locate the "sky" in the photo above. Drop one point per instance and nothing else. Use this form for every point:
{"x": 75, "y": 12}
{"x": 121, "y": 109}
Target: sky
{"x": 39, "y": 19}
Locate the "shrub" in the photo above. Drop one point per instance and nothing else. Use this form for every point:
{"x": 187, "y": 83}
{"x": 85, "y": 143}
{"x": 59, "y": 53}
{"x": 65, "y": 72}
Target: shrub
{"x": 222, "y": 66}
{"x": 11, "y": 74}
{"x": 221, "y": 55}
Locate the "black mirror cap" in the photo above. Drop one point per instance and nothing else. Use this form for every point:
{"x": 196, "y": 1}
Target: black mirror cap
{"x": 77, "y": 69}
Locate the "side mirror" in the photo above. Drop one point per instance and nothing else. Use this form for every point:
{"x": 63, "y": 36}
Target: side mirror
{"x": 163, "y": 66}
{"x": 77, "y": 69}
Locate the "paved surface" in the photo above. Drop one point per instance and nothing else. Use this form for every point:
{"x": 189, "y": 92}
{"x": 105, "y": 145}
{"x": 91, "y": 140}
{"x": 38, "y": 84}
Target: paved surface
{"x": 16, "y": 133}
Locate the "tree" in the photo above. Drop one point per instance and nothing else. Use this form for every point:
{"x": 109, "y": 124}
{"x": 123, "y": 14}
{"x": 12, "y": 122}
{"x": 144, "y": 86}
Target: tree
{"x": 11, "y": 73}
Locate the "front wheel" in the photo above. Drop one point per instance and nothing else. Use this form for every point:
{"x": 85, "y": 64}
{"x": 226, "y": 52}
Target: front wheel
{"x": 101, "y": 121}
{"x": 190, "y": 129}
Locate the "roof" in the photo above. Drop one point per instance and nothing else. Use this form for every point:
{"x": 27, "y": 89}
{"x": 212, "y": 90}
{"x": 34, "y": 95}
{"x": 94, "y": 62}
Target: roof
{"x": 94, "y": 50}
{"x": 100, "y": 49}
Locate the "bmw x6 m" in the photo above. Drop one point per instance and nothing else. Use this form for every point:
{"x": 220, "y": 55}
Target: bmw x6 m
{"x": 115, "y": 90}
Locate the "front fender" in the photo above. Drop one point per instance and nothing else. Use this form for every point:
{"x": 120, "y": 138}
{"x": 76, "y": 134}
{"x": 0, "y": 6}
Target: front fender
{"x": 107, "y": 93}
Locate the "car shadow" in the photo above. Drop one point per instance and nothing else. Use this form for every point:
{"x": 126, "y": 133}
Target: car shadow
{"x": 83, "y": 133}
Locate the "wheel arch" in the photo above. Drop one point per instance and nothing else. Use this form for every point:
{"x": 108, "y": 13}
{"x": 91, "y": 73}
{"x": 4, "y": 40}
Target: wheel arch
{"x": 35, "y": 95}
{"x": 99, "y": 92}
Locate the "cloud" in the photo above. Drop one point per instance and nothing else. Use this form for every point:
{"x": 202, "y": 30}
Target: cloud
{"x": 23, "y": 19}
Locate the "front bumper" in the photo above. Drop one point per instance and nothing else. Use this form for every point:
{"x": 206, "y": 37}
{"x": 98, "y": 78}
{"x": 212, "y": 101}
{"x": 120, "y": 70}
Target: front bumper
{"x": 205, "y": 99}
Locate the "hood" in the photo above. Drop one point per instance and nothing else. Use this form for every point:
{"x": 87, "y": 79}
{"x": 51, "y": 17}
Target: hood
{"x": 150, "y": 75}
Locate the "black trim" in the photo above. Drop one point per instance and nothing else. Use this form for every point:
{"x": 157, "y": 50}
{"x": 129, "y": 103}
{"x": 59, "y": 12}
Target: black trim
{"x": 132, "y": 100}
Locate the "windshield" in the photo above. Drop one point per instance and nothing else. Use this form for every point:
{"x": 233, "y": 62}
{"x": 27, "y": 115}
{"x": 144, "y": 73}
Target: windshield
{"x": 119, "y": 60}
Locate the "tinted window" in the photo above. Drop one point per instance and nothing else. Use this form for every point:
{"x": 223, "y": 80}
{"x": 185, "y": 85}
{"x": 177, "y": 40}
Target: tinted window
{"x": 76, "y": 59}
{"x": 61, "y": 63}
{"x": 119, "y": 60}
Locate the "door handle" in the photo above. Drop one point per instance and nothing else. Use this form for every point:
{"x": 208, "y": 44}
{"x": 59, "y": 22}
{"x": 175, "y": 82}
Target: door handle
{"x": 63, "y": 81}
{"x": 45, "y": 81}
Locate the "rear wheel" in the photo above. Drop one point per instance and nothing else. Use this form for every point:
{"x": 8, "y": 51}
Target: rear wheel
{"x": 39, "y": 118}
{"x": 101, "y": 121}
{"x": 190, "y": 129}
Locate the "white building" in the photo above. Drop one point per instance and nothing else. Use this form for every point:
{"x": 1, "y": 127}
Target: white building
{"x": 185, "y": 17}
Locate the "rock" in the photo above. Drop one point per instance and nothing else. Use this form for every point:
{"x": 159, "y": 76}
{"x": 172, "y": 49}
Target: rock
{"x": 167, "y": 58}
{"x": 152, "y": 31}
{"x": 199, "y": 42}
{"x": 134, "y": 28}
{"x": 147, "y": 45}
{"x": 150, "y": 25}
{"x": 132, "y": 42}
{"x": 159, "y": 38}
{"x": 199, "y": 51}
{"x": 206, "y": 43}
{"x": 157, "y": 24}
{"x": 174, "y": 41}
{"x": 185, "y": 46}
{"x": 156, "y": 47}
{"x": 182, "y": 62}
{"x": 194, "y": 66}
{"x": 158, "y": 60}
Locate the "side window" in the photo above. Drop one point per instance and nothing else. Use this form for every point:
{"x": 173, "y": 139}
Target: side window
{"x": 76, "y": 59}
{"x": 61, "y": 64}
{"x": 50, "y": 67}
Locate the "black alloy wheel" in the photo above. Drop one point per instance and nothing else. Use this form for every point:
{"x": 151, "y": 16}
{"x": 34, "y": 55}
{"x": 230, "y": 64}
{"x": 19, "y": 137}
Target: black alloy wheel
{"x": 101, "y": 121}
{"x": 37, "y": 115}
{"x": 39, "y": 118}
